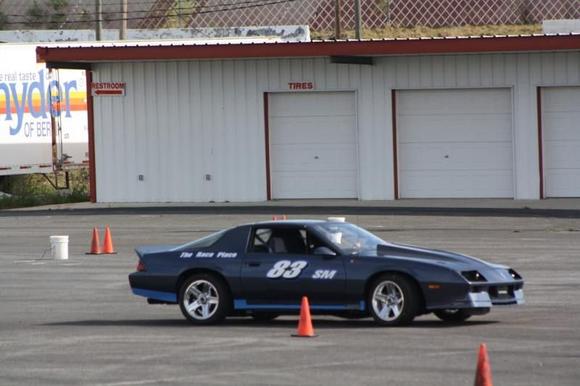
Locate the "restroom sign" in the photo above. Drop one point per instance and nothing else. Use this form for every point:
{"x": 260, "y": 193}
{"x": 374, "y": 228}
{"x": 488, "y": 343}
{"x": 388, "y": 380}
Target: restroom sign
{"x": 108, "y": 88}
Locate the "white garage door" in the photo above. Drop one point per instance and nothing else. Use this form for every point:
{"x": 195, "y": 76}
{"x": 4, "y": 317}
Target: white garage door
{"x": 561, "y": 134}
{"x": 455, "y": 143}
{"x": 313, "y": 145}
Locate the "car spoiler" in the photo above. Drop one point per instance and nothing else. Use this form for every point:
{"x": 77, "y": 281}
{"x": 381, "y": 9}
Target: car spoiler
{"x": 151, "y": 249}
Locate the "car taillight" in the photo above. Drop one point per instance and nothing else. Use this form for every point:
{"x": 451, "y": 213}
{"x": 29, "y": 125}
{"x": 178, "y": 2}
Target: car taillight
{"x": 141, "y": 266}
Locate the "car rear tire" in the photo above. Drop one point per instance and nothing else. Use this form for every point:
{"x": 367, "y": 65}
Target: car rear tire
{"x": 204, "y": 299}
{"x": 393, "y": 300}
{"x": 453, "y": 315}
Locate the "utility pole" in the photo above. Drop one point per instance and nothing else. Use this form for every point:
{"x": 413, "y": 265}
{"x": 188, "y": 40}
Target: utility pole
{"x": 99, "y": 16}
{"x": 123, "y": 30}
{"x": 179, "y": 15}
{"x": 357, "y": 20}
{"x": 337, "y": 19}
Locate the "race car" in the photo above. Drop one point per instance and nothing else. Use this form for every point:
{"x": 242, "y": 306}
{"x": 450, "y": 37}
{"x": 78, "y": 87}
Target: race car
{"x": 264, "y": 269}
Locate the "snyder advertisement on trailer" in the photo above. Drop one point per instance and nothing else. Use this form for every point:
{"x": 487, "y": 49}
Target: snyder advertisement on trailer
{"x": 34, "y": 102}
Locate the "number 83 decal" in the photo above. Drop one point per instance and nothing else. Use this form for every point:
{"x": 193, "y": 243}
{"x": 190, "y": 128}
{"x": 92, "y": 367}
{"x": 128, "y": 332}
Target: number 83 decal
{"x": 286, "y": 269}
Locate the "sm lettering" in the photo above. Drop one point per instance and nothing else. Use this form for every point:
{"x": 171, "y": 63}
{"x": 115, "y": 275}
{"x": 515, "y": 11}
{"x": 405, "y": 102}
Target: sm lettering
{"x": 324, "y": 274}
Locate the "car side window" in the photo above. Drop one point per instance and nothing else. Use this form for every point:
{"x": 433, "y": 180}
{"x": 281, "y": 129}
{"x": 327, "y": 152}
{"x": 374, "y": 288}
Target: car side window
{"x": 279, "y": 240}
{"x": 318, "y": 247}
{"x": 260, "y": 240}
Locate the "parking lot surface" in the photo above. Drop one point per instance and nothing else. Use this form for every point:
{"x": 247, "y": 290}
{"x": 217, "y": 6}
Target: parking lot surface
{"x": 76, "y": 322}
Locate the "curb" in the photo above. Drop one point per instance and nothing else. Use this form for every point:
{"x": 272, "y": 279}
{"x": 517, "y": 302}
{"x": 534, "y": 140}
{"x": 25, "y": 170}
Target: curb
{"x": 307, "y": 210}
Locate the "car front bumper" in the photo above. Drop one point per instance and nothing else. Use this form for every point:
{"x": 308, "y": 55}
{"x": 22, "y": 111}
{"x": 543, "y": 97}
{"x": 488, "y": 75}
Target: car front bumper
{"x": 483, "y": 299}
{"x": 485, "y": 296}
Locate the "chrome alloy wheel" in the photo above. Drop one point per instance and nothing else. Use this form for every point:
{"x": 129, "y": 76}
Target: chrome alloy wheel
{"x": 201, "y": 300}
{"x": 388, "y": 301}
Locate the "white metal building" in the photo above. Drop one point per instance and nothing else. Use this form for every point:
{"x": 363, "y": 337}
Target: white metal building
{"x": 370, "y": 120}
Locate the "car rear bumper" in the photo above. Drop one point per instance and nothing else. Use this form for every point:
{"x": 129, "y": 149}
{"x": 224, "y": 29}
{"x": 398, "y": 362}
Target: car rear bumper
{"x": 163, "y": 297}
{"x": 152, "y": 287}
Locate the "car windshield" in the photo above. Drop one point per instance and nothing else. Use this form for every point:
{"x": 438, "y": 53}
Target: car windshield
{"x": 350, "y": 238}
{"x": 204, "y": 242}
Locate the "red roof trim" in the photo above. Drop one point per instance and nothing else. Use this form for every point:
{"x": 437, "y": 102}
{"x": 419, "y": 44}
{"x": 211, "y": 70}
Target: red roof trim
{"x": 311, "y": 49}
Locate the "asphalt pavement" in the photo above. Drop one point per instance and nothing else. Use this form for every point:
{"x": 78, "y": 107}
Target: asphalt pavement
{"x": 75, "y": 322}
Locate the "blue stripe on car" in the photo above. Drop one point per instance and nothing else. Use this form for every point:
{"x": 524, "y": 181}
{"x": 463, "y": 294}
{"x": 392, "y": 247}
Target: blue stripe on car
{"x": 242, "y": 304}
{"x": 157, "y": 295}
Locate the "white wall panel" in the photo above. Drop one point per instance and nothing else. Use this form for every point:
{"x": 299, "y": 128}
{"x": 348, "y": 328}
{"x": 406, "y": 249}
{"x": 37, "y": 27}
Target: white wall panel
{"x": 455, "y": 143}
{"x": 180, "y": 121}
{"x": 561, "y": 135}
{"x": 313, "y": 145}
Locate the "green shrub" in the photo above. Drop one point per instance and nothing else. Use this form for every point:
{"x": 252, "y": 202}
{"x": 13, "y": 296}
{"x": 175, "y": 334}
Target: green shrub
{"x": 35, "y": 189}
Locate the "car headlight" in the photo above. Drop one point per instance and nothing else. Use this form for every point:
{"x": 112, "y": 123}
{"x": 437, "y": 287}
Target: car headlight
{"x": 473, "y": 276}
{"x": 515, "y": 275}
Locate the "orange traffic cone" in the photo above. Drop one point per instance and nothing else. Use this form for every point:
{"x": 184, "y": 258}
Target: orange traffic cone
{"x": 95, "y": 249}
{"x": 108, "y": 248}
{"x": 483, "y": 372}
{"x": 279, "y": 217}
{"x": 305, "y": 329}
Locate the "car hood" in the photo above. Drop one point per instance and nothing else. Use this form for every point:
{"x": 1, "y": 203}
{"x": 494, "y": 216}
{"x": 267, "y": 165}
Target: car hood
{"x": 493, "y": 273}
{"x": 450, "y": 259}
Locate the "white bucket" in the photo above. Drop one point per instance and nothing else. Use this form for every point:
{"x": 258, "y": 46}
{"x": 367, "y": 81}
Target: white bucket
{"x": 59, "y": 247}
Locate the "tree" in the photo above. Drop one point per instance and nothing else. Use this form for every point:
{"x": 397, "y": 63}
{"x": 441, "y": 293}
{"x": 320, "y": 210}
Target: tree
{"x": 58, "y": 15}
{"x": 3, "y": 20}
{"x": 35, "y": 14}
{"x": 47, "y": 14}
{"x": 179, "y": 12}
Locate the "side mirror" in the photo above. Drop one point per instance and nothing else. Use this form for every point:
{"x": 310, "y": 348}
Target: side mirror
{"x": 324, "y": 251}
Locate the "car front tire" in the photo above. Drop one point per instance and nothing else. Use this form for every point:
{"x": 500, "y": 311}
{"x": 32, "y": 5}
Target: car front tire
{"x": 454, "y": 315}
{"x": 393, "y": 300}
{"x": 204, "y": 299}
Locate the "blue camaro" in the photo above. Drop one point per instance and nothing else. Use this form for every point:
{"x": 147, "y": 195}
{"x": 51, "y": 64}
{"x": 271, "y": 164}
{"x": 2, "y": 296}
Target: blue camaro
{"x": 264, "y": 269}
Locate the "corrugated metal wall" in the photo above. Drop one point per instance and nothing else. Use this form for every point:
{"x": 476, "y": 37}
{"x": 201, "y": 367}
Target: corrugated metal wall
{"x": 181, "y": 121}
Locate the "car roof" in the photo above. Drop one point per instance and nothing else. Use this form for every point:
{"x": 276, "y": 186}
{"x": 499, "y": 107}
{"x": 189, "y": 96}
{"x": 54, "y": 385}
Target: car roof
{"x": 289, "y": 222}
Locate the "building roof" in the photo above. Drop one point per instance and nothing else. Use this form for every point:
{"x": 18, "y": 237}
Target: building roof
{"x": 186, "y": 50}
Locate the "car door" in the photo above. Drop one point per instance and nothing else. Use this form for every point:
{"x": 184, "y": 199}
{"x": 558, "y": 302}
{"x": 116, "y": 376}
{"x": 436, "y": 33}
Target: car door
{"x": 280, "y": 267}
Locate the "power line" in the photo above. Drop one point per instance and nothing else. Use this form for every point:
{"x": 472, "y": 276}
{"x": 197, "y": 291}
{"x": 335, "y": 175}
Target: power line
{"x": 139, "y": 2}
{"x": 91, "y": 5}
{"x": 226, "y": 7}
{"x": 170, "y": 8}
{"x": 256, "y": 2}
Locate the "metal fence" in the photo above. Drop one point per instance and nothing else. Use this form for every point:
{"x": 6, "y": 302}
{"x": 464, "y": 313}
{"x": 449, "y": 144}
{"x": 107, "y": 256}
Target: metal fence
{"x": 320, "y": 14}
